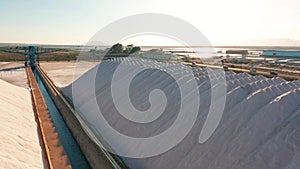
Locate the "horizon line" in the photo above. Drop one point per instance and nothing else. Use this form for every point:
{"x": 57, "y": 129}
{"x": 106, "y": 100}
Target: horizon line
{"x": 297, "y": 47}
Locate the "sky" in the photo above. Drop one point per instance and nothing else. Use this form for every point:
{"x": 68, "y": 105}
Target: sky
{"x": 222, "y": 22}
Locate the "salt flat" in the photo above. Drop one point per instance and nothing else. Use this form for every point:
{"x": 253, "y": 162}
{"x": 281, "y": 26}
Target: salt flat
{"x": 63, "y": 73}
{"x": 14, "y": 73}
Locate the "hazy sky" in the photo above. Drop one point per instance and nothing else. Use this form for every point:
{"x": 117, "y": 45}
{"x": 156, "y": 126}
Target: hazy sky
{"x": 76, "y": 21}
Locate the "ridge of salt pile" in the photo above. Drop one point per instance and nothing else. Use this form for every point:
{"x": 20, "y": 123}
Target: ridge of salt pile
{"x": 259, "y": 127}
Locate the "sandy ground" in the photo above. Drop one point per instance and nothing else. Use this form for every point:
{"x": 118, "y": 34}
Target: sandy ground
{"x": 7, "y": 65}
{"x": 19, "y": 145}
{"x": 64, "y": 73}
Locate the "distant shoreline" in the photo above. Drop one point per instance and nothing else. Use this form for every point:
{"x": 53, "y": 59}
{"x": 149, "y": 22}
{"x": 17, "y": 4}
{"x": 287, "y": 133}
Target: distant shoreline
{"x": 239, "y": 47}
{"x": 217, "y": 46}
{"x": 165, "y": 46}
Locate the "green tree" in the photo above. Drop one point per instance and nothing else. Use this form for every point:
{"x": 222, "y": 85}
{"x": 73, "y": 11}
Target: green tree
{"x": 135, "y": 49}
{"x": 117, "y": 48}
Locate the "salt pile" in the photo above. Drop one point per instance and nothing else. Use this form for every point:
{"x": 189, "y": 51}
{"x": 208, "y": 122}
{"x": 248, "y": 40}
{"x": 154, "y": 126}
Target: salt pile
{"x": 19, "y": 142}
{"x": 259, "y": 127}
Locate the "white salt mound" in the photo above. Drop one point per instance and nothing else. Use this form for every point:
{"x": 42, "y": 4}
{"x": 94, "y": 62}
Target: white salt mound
{"x": 19, "y": 143}
{"x": 260, "y": 126}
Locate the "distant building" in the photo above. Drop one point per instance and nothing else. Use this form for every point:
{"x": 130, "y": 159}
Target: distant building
{"x": 237, "y": 52}
{"x": 157, "y": 54}
{"x": 243, "y": 53}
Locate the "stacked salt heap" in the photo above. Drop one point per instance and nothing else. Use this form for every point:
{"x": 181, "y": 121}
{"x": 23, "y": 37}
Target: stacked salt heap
{"x": 19, "y": 142}
{"x": 259, "y": 127}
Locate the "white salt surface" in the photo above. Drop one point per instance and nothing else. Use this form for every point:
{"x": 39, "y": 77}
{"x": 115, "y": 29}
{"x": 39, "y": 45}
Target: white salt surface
{"x": 63, "y": 73}
{"x": 14, "y": 73}
{"x": 19, "y": 142}
{"x": 260, "y": 126}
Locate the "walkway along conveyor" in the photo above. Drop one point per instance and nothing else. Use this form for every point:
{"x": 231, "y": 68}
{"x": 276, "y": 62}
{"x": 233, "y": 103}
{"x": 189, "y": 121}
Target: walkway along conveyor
{"x": 53, "y": 151}
{"x": 95, "y": 153}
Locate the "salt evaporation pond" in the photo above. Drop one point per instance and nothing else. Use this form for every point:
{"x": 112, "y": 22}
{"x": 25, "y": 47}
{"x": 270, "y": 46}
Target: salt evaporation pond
{"x": 259, "y": 127}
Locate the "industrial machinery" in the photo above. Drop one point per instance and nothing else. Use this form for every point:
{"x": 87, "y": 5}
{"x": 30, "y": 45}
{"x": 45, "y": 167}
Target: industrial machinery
{"x": 31, "y": 54}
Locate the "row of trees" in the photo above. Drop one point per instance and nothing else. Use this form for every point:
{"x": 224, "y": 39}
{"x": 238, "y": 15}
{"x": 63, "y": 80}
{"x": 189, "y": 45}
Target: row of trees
{"x": 129, "y": 49}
